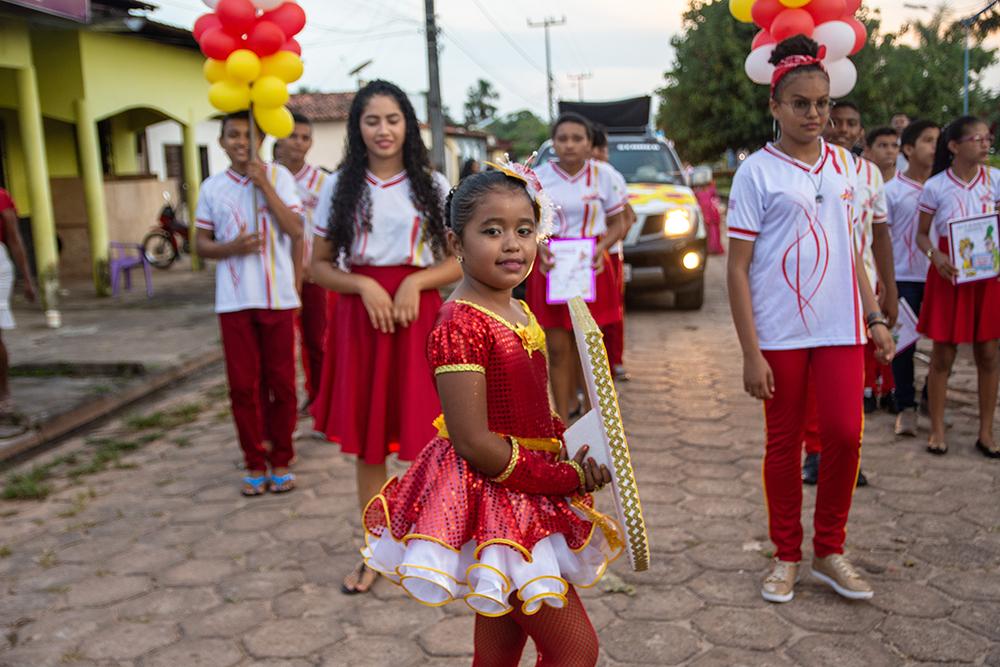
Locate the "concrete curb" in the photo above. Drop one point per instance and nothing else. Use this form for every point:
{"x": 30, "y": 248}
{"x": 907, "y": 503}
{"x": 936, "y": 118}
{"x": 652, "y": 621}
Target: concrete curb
{"x": 90, "y": 412}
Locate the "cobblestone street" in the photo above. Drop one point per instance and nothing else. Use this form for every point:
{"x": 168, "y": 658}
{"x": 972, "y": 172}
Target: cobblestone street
{"x": 144, "y": 553}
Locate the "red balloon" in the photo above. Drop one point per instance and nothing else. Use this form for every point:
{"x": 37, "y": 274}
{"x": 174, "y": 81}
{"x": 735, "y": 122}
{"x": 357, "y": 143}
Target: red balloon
{"x": 293, "y": 46}
{"x": 765, "y": 11}
{"x": 826, "y": 10}
{"x": 265, "y": 38}
{"x": 762, "y": 38}
{"x": 217, "y": 43}
{"x": 237, "y": 16}
{"x": 289, "y": 17}
{"x": 792, "y": 22}
{"x": 204, "y": 23}
{"x": 860, "y": 33}
{"x": 853, "y": 6}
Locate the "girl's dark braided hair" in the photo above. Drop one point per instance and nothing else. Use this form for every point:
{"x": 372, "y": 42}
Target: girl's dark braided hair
{"x": 351, "y": 199}
{"x": 465, "y": 197}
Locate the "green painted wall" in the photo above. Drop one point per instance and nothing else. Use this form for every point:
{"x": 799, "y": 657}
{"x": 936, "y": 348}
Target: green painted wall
{"x": 15, "y": 45}
{"x": 126, "y": 72}
{"x": 124, "y": 159}
{"x": 60, "y": 81}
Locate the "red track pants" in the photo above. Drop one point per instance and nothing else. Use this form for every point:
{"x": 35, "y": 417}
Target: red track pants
{"x": 312, "y": 335}
{"x": 259, "y": 347}
{"x": 838, "y": 375}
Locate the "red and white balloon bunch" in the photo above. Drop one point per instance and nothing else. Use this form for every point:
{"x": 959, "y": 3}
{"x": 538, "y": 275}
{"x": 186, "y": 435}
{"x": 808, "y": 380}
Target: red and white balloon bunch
{"x": 252, "y": 56}
{"x": 830, "y": 22}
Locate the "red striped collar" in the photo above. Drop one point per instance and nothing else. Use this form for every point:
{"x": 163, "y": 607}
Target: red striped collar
{"x": 242, "y": 180}
{"x": 906, "y": 180}
{"x": 824, "y": 150}
{"x": 565, "y": 176}
{"x": 971, "y": 184}
{"x": 388, "y": 183}
{"x": 304, "y": 172}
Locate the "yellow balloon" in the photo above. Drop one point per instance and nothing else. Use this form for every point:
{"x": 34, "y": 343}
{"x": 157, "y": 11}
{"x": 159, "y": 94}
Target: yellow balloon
{"x": 276, "y": 122}
{"x": 269, "y": 91}
{"x": 228, "y": 96}
{"x": 214, "y": 70}
{"x": 243, "y": 65}
{"x": 740, "y": 9}
{"x": 284, "y": 64}
{"x": 794, "y": 4}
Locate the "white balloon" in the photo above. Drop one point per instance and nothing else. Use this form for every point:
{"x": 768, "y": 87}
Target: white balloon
{"x": 211, "y": 3}
{"x": 756, "y": 65}
{"x": 268, "y": 5}
{"x": 838, "y": 38}
{"x": 843, "y": 76}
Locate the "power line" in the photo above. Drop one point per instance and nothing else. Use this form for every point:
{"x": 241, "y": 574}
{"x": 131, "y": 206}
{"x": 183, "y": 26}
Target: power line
{"x": 547, "y": 23}
{"x": 480, "y": 65}
{"x": 506, "y": 36}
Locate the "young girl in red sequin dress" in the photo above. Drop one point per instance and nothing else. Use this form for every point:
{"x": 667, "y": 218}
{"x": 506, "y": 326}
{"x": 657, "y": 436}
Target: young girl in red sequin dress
{"x": 485, "y": 514}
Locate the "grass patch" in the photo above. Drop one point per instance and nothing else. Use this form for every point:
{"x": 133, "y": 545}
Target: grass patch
{"x": 182, "y": 442}
{"x": 29, "y": 485}
{"x": 218, "y": 392}
{"x": 165, "y": 419}
{"x": 5, "y": 551}
{"x": 108, "y": 452}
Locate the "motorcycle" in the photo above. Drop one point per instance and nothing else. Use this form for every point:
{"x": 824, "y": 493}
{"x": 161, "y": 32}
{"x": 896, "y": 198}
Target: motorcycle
{"x": 164, "y": 244}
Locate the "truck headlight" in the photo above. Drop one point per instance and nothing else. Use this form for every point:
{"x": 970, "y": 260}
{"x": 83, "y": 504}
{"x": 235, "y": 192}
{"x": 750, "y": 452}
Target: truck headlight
{"x": 677, "y": 222}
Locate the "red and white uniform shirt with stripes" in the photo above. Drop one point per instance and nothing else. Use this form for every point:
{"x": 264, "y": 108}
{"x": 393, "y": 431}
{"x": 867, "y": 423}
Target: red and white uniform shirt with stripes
{"x": 902, "y": 195}
{"x": 262, "y": 280}
{"x": 870, "y": 209}
{"x": 585, "y": 200}
{"x": 396, "y": 236}
{"x": 309, "y": 182}
{"x": 800, "y": 218}
{"x": 947, "y": 197}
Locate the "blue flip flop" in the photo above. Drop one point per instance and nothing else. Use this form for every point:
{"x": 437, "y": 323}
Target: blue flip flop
{"x": 278, "y": 483}
{"x": 257, "y": 484}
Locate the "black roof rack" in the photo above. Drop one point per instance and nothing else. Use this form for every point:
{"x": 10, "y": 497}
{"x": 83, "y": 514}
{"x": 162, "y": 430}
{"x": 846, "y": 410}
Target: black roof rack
{"x": 630, "y": 116}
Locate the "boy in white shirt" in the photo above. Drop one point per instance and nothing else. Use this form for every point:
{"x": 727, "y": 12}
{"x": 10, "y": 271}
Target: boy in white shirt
{"x": 312, "y": 317}
{"x": 255, "y": 297}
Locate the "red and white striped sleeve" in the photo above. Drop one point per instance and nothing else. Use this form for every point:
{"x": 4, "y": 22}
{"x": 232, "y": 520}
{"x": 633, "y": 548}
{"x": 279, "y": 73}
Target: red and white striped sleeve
{"x": 746, "y": 209}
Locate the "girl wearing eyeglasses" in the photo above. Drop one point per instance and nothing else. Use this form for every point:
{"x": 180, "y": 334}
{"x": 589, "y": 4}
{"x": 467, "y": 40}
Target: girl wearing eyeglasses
{"x": 801, "y": 303}
{"x": 962, "y": 185}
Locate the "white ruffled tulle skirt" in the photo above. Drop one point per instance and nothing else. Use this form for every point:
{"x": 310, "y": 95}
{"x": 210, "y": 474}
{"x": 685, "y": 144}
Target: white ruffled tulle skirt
{"x": 484, "y": 576}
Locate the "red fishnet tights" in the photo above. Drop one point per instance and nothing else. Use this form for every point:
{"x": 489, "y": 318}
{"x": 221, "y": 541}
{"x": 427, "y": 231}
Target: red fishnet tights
{"x": 563, "y": 637}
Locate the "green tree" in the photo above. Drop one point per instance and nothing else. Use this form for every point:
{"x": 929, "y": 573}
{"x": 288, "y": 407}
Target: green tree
{"x": 524, "y": 129}
{"x": 480, "y": 102}
{"x": 708, "y": 103}
{"x": 921, "y": 80}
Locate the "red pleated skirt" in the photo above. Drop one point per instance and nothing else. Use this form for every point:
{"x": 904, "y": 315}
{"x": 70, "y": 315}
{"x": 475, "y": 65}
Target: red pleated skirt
{"x": 377, "y": 395}
{"x": 968, "y": 313}
{"x": 607, "y": 308}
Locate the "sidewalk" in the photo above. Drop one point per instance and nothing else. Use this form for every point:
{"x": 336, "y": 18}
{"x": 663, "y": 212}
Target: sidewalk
{"x": 108, "y": 352}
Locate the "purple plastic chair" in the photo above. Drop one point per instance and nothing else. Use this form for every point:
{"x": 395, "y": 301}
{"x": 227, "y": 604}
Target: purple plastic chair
{"x": 121, "y": 263}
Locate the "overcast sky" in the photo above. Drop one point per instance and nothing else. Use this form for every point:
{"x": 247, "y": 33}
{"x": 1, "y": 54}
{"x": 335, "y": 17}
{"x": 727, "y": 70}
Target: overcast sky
{"x": 623, "y": 46}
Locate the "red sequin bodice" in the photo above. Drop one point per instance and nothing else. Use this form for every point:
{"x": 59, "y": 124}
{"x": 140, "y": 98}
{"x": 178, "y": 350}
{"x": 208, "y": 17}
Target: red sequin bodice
{"x": 512, "y": 356}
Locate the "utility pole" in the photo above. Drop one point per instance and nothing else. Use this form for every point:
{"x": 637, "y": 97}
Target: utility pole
{"x": 579, "y": 79}
{"x": 967, "y": 23}
{"x": 435, "y": 112}
{"x": 548, "y": 23}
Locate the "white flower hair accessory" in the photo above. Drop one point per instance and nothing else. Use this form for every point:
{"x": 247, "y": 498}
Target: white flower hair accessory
{"x": 525, "y": 174}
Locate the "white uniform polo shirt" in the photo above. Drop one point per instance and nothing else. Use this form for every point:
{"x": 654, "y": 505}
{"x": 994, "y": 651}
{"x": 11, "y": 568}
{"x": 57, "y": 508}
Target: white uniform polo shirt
{"x": 396, "y": 236}
{"x": 947, "y": 197}
{"x": 262, "y": 280}
{"x": 870, "y": 210}
{"x": 902, "y": 195}
{"x": 309, "y": 182}
{"x": 800, "y": 218}
{"x": 585, "y": 200}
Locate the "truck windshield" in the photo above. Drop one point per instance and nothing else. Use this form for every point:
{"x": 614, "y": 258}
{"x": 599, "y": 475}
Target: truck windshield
{"x": 638, "y": 161}
{"x": 641, "y": 162}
